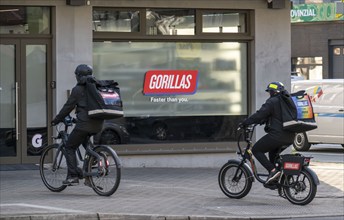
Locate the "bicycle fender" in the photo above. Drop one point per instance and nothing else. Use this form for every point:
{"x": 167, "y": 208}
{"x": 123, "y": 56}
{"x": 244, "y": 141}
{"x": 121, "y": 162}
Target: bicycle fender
{"x": 113, "y": 151}
{"x": 246, "y": 166}
{"x": 313, "y": 174}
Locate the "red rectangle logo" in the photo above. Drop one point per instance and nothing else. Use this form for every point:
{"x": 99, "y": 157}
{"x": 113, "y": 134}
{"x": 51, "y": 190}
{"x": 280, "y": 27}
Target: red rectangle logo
{"x": 170, "y": 82}
{"x": 291, "y": 166}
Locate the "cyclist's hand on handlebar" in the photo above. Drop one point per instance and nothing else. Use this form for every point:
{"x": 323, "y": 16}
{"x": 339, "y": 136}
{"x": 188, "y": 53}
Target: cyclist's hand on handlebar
{"x": 241, "y": 126}
{"x": 54, "y": 122}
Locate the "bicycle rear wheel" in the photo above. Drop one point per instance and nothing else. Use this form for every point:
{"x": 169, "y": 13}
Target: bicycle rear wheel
{"x": 106, "y": 178}
{"x": 300, "y": 189}
{"x": 53, "y": 168}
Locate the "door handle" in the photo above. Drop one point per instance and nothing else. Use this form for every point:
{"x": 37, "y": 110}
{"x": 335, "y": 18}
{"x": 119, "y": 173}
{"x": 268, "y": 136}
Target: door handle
{"x": 341, "y": 110}
{"x": 17, "y": 112}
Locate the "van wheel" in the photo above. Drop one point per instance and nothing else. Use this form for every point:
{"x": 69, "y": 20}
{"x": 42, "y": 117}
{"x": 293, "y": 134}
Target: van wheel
{"x": 160, "y": 131}
{"x": 301, "y": 142}
{"x": 109, "y": 137}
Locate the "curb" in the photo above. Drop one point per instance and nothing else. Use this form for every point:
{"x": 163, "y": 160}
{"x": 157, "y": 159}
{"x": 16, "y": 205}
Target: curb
{"x": 109, "y": 216}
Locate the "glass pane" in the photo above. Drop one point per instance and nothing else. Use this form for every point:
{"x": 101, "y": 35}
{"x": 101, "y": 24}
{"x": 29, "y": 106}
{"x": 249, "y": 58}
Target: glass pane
{"x": 114, "y": 20}
{"x": 24, "y": 20}
{"x": 211, "y": 114}
{"x": 170, "y": 22}
{"x": 222, "y": 67}
{"x": 7, "y": 101}
{"x": 36, "y": 98}
{"x": 214, "y": 22}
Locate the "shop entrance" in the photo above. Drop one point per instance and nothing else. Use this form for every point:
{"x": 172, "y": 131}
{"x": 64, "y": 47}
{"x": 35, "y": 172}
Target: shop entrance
{"x": 25, "y": 97}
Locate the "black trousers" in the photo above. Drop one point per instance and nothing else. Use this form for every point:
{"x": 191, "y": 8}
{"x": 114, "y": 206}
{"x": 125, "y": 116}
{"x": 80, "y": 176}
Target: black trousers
{"x": 75, "y": 139}
{"x": 268, "y": 144}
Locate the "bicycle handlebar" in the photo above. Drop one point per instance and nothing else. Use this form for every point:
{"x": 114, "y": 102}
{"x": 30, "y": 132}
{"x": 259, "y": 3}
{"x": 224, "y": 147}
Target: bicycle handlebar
{"x": 68, "y": 121}
{"x": 247, "y": 131}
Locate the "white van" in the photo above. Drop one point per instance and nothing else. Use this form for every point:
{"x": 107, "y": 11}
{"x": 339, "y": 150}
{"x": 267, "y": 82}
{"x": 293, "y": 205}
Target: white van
{"x": 328, "y": 105}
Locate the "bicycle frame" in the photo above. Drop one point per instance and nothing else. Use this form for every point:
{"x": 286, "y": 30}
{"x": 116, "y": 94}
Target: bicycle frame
{"x": 63, "y": 135}
{"x": 297, "y": 182}
{"x": 98, "y": 165}
{"x": 247, "y": 155}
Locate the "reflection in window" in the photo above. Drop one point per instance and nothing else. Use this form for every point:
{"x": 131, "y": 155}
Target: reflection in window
{"x": 222, "y": 82}
{"x": 214, "y": 22}
{"x": 114, "y": 20}
{"x": 308, "y": 67}
{"x": 24, "y": 20}
{"x": 170, "y": 22}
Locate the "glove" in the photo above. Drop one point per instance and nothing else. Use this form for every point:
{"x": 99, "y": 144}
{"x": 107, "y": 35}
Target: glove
{"x": 54, "y": 122}
{"x": 242, "y": 124}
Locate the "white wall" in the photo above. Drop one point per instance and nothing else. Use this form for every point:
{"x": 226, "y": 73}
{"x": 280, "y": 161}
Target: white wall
{"x": 272, "y": 52}
{"x": 73, "y": 45}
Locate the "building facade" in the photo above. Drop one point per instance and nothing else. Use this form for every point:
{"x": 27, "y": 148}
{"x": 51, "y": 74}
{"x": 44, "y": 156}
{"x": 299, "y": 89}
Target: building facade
{"x": 235, "y": 47}
{"x": 317, "y": 36}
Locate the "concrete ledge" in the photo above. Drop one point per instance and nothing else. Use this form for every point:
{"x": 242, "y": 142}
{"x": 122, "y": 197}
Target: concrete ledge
{"x": 109, "y": 216}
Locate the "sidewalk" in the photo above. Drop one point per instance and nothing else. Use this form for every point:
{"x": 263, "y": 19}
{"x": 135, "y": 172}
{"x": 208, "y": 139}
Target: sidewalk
{"x": 164, "y": 193}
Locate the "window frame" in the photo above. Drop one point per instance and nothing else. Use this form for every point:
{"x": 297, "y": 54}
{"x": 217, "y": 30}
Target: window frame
{"x": 141, "y": 36}
{"x": 199, "y": 35}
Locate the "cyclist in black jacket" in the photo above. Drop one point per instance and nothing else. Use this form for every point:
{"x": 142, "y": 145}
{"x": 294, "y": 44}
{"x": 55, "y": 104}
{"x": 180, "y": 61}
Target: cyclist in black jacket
{"x": 276, "y": 137}
{"x": 84, "y": 126}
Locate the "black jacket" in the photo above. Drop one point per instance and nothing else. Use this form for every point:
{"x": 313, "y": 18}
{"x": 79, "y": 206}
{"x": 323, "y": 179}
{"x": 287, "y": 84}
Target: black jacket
{"x": 78, "y": 100}
{"x": 270, "y": 114}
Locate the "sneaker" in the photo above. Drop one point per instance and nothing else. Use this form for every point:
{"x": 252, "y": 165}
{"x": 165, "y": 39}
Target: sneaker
{"x": 71, "y": 181}
{"x": 270, "y": 186}
{"x": 273, "y": 176}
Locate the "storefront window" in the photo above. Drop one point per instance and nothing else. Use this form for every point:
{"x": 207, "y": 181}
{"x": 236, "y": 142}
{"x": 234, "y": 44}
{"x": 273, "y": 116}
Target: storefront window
{"x": 114, "y": 20}
{"x": 24, "y": 20}
{"x": 170, "y": 22}
{"x": 210, "y": 114}
{"x": 221, "y": 81}
{"x": 226, "y": 22}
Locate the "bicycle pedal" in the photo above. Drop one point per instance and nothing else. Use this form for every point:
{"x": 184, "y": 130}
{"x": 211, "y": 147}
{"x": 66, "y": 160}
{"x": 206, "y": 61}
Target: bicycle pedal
{"x": 71, "y": 184}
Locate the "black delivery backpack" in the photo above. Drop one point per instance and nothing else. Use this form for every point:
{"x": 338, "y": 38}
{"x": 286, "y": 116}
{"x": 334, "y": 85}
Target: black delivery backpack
{"x": 297, "y": 112}
{"x": 103, "y": 99}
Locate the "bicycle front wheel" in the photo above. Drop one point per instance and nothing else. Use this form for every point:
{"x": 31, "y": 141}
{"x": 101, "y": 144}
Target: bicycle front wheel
{"x": 105, "y": 177}
{"x": 234, "y": 180}
{"x": 53, "y": 168}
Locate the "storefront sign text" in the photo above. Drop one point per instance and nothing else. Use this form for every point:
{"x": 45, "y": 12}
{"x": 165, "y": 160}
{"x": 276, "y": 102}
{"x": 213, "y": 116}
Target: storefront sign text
{"x": 317, "y": 12}
{"x": 170, "y": 82}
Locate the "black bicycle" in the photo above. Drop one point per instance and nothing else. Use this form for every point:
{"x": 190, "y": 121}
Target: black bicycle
{"x": 101, "y": 167}
{"x": 297, "y": 182}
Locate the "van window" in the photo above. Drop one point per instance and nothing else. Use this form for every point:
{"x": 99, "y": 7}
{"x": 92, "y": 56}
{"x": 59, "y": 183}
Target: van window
{"x": 332, "y": 94}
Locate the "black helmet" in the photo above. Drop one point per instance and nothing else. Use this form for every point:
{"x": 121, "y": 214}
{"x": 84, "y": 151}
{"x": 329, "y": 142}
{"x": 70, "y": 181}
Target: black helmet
{"x": 275, "y": 87}
{"x": 83, "y": 70}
